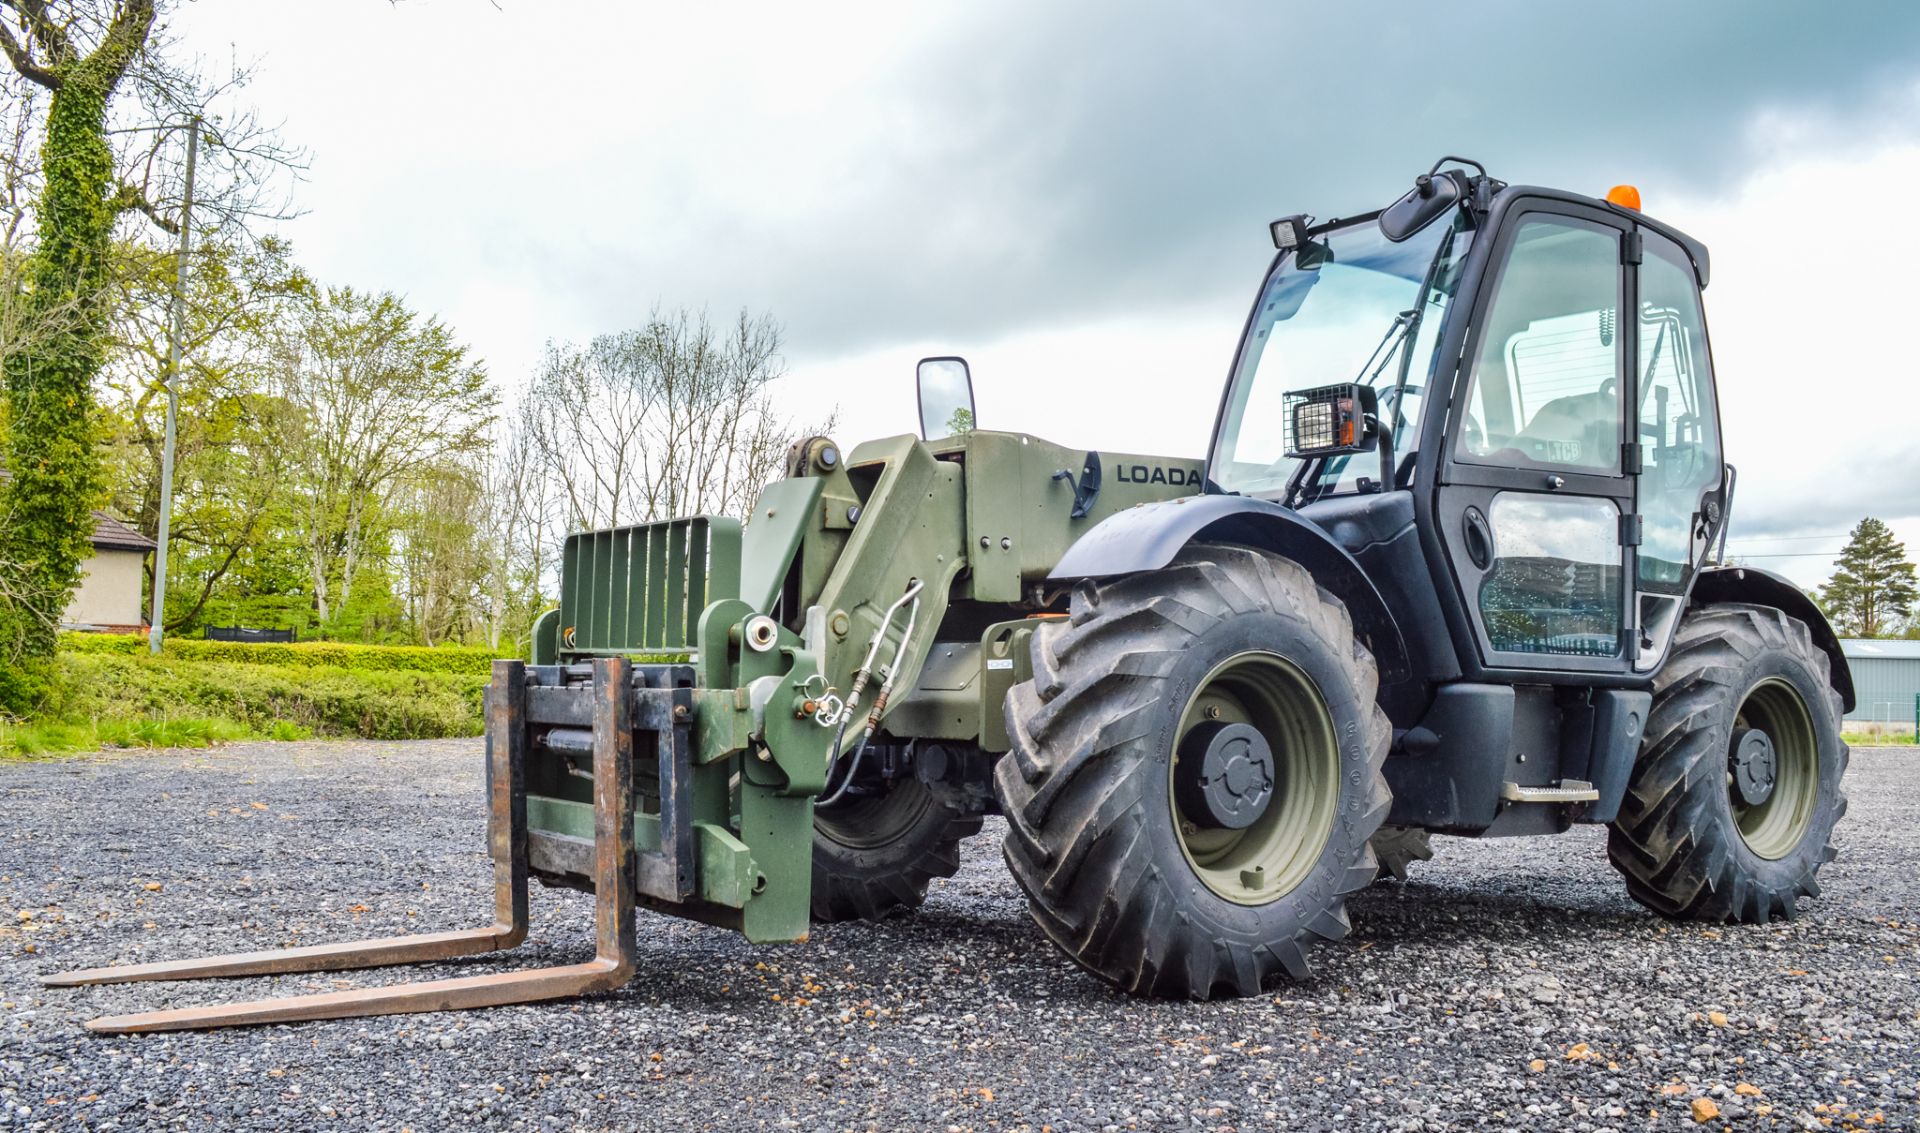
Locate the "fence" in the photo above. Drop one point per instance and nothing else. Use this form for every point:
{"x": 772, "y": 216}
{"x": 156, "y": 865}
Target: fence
{"x": 246, "y": 633}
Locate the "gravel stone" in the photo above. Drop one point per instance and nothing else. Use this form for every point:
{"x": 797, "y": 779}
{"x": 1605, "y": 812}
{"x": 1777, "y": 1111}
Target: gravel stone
{"x": 1496, "y": 957}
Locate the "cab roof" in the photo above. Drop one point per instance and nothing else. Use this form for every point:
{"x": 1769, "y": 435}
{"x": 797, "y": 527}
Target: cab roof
{"x": 1696, "y": 251}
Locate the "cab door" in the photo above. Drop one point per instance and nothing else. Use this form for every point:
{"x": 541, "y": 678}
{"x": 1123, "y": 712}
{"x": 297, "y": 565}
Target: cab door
{"x": 1535, "y": 499}
{"x": 1681, "y": 491}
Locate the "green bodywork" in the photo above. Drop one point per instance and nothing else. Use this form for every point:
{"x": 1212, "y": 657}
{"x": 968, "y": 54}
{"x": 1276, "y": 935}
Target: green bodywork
{"x": 979, "y": 520}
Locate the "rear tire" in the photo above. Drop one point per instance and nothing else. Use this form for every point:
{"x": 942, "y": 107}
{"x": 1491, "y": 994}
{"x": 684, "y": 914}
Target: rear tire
{"x": 1147, "y": 900}
{"x": 1398, "y": 847}
{"x": 873, "y": 856}
{"x": 1690, "y": 841}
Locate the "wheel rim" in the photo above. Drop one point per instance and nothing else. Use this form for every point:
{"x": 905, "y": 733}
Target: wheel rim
{"x": 1774, "y": 827}
{"x": 865, "y": 822}
{"x": 1267, "y": 859}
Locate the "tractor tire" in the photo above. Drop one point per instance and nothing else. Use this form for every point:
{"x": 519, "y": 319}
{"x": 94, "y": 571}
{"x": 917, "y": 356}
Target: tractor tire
{"x": 1398, "y": 847}
{"x": 875, "y": 856}
{"x": 1222, "y": 643}
{"x": 1698, "y": 837}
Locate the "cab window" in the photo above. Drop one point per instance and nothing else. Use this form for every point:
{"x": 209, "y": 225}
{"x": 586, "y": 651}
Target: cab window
{"x": 1546, "y": 379}
{"x": 1679, "y": 437}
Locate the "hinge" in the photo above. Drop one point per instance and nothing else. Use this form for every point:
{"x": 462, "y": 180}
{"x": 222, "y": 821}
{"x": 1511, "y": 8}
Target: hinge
{"x": 1630, "y": 530}
{"x": 1630, "y": 458}
{"x": 1630, "y": 248}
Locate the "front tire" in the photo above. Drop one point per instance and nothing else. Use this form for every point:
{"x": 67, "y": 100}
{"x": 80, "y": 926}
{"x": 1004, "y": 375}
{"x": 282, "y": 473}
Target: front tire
{"x": 875, "y": 855}
{"x": 1729, "y": 813}
{"x": 1101, "y": 830}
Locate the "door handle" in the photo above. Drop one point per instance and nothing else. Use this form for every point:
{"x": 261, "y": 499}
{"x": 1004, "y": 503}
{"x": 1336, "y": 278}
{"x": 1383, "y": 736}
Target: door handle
{"x": 1478, "y": 537}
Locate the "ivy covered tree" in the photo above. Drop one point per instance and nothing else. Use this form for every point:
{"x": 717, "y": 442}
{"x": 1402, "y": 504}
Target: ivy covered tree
{"x": 54, "y": 482}
{"x": 95, "y": 103}
{"x": 1873, "y": 587}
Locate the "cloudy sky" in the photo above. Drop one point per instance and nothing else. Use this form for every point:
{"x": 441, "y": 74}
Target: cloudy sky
{"x": 1074, "y": 195}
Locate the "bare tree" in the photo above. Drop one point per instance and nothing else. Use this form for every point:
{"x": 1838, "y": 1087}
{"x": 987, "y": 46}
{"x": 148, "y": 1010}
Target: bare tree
{"x": 675, "y": 418}
{"x": 520, "y": 509}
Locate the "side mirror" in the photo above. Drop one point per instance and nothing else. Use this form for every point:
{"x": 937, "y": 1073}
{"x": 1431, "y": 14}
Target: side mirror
{"x": 946, "y": 397}
{"x": 1433, "y": 195}
{"x": 1331, "y": 420}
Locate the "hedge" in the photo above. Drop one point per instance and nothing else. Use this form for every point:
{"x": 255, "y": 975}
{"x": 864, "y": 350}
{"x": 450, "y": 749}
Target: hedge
{"x": 461, "y": 659}
{"x": 98, "y": 685}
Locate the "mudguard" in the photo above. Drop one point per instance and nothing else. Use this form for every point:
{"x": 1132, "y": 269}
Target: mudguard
{"x": 1147, "y": 537}
{"x": 1764, "y": 588}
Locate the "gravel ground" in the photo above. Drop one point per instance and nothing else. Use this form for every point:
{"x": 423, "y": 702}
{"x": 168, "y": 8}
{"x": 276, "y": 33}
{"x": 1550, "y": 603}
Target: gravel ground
{"x": 1508, "y": 985}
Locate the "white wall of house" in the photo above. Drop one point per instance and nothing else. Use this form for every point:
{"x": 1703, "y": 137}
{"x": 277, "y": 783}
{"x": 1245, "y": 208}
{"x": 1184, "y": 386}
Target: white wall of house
{"x": 111, "y": 589}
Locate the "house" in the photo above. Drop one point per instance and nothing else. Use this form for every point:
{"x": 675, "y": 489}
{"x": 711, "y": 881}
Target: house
{"x": 111, "y": 597}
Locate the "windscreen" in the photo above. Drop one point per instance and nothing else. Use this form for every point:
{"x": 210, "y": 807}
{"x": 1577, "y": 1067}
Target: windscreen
{"x": 1350, "y": 306}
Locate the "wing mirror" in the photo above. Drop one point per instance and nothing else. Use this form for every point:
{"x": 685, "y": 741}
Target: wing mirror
{"x": 946, "y": 397}
{"x": 1433, "y": 195}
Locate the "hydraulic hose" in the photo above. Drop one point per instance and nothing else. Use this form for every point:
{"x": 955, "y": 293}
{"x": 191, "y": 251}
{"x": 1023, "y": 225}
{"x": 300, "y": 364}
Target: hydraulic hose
{"x": 912, "y": 595}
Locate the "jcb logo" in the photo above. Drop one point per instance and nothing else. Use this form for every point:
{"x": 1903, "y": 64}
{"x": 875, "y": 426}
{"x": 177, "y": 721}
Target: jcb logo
{"x": 1155, "y": 474}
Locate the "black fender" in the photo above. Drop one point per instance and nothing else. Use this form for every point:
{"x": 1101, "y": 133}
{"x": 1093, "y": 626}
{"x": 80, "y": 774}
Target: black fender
{"x": 1765, "y": 588}
{"x": 1147, "y": 537}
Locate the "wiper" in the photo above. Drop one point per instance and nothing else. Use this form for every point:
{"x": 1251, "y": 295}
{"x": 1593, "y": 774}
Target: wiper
{"x": 1389, "y": 345}
{"x": 1396, "y": 335}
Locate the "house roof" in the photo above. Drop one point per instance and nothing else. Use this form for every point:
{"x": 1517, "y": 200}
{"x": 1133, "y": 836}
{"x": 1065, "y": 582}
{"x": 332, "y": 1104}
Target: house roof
{"x": 111, "y": 534}
{"x": 1890, "y": 648}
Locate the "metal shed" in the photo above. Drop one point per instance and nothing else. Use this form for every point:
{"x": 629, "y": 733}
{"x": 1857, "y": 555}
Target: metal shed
{"x": 1886, "y": 678}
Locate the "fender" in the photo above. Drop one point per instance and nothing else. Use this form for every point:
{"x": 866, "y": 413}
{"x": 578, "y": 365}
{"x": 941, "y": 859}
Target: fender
{"x": 1148, "y": 536}
{"x": 1764, "y": 588}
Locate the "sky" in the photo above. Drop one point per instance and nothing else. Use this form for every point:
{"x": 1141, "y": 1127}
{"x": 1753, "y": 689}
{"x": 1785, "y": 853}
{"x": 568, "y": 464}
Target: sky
{"x": 1074, "y": 196}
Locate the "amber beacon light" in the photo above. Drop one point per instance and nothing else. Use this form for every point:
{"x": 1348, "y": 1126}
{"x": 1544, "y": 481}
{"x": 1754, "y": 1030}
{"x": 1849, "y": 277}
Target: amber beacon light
{"x": 1626, "y": 196}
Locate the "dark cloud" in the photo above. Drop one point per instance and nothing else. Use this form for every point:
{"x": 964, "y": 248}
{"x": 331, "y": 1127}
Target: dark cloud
{"x": 1059, "y": 162}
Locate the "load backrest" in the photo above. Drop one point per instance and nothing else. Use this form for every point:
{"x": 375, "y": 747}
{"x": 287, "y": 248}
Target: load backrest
{"x": 641, "y": 588}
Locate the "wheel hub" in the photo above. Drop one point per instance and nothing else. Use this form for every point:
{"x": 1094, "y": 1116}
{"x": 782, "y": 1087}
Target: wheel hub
{"x": 1754, "y": 765}
{"x": 1224, "y": 779}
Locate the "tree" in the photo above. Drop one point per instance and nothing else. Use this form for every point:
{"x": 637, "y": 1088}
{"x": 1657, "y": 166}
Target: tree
{"x": 443, "y": 554}
{"x": 230, "y": 455}
{"x": 672, "y": 419}
{"x": 101, "y": 157}
{"x": 382, "y": 396}
{"x": 519, "y": 511}
{"x": 1873, "y": 586}
{"x": 55, "y": 478}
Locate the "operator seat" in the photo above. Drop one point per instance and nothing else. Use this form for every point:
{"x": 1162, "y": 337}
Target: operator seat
{"x": 1581, "y": 429}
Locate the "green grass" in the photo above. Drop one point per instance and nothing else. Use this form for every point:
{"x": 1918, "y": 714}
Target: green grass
{"x": 1877, "y": 739}
{"x": 106, "y": 698}
{"x": 33, "y": 741}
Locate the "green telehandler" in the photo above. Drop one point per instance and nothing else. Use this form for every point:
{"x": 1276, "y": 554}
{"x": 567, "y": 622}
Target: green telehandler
{"x": 1448, "y": 566}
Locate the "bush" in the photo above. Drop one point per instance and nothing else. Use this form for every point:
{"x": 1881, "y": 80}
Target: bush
{"x": 275, "y": 700}
{"x": 461, "y": 659}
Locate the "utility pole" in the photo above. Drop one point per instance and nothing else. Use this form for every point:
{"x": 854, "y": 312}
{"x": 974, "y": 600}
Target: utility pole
{"x": 173, "y": 392}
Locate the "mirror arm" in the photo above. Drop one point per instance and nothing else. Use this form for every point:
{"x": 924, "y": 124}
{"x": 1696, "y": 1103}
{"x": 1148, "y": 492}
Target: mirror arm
{"x": 1385, "y": 445}
{"x": 1458, "y": 161}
